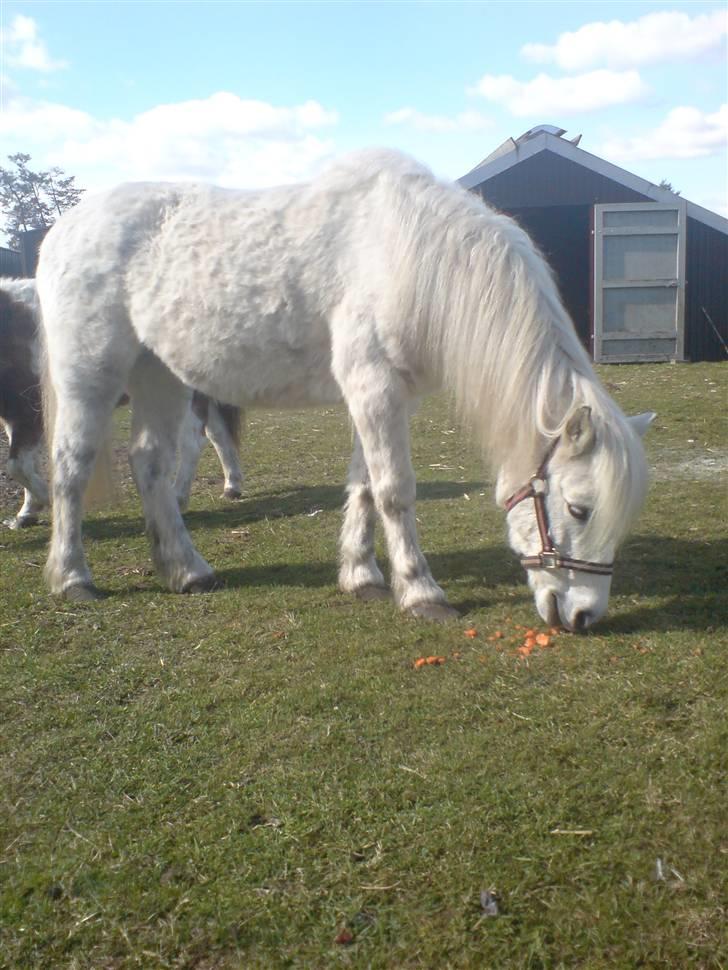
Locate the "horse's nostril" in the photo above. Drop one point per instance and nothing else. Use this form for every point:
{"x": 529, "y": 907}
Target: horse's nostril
{"x": 581, "y": 621}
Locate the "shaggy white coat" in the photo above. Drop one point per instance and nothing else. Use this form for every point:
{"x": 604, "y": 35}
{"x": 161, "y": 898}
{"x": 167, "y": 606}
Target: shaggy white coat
{"x": 375, "y": 282}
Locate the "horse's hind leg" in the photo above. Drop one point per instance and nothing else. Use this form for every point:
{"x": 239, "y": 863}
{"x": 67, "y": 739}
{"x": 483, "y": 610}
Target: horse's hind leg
{"x": 159, "y": 402}
{"x": 191, "y": 442}
{"x": 220, "y": 419}
{"x": 79, "y": 428}
{"x": 379, "y": 405}
{"x": 358, "y": 570}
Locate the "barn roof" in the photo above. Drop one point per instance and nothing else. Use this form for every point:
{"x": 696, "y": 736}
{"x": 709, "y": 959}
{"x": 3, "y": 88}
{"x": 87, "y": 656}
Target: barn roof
{"x": 548, "y": 138}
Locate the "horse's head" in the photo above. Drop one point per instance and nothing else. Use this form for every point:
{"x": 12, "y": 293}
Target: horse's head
{"x": 565, "y": 524}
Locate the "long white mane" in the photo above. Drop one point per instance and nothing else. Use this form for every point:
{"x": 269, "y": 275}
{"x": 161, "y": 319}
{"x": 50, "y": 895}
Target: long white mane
{"x": 488, "y": 312}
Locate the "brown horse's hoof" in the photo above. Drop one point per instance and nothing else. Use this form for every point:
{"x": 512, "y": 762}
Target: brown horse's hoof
{"x": 82, "y": 593}
{"x": 202, "y": 584}
{"x": 437, "y": 612}
{"x": 369, "y": 593}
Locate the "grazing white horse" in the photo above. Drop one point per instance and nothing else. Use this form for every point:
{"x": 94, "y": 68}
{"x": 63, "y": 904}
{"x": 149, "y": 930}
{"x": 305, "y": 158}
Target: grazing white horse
{"x": 374, "y": 282}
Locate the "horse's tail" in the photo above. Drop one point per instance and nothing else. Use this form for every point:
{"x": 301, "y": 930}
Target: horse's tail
{"x": 234, "y": 420}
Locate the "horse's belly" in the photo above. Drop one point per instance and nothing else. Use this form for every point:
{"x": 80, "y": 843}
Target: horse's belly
{"x": 246, "y": 361}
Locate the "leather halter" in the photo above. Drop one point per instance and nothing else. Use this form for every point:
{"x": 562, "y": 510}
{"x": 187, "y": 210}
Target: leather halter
{"x": 549, "y": 557}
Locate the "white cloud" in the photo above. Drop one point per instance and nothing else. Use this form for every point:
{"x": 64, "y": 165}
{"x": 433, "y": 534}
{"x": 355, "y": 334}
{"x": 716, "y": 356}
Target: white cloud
{"x": 22, "y": 47}
{"x": 546, "y": 96}
{"x": 660, "y": 36}
{"x": 223, "y": 139}
{"x": 465, "y": 121}
{"x": 685, "y": 133}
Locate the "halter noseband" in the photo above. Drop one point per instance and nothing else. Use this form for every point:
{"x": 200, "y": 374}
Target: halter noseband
{"x": 549, "y": 557}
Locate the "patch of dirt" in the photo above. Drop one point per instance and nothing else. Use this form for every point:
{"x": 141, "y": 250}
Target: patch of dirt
{"x": 697, "y": 465}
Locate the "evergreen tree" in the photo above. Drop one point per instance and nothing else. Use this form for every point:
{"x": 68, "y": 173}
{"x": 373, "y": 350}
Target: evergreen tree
{"x": 33, "y": 200}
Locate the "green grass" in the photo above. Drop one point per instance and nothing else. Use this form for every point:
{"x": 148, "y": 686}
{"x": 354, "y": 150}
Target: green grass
{"x": 228, "y": 781}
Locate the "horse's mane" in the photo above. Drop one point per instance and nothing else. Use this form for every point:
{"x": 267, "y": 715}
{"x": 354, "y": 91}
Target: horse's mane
{"x": 489, "y": 314}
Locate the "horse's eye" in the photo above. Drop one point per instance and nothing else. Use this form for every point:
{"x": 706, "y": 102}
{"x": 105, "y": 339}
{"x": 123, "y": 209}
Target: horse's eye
{"x": 579, "y": 512}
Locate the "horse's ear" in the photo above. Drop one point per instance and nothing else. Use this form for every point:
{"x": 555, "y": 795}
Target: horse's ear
{"x": 579, "y": 435}
{"x": 641, "y": 422}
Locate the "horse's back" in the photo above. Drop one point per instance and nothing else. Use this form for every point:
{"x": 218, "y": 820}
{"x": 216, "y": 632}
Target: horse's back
{"x": 236, "y": 291}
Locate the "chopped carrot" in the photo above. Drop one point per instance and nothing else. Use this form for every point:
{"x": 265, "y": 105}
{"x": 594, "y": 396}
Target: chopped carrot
{"x": 543, "y": 639}
{"x": 420, "y": 662}
{"x": 435, "y": 661}
{"x": 555, "y": 630}
{"x": 530, "y": 641}
{"x": 496, "y": 636}
{"x": 530, "y": 633}
{"x": 525, "y": 650}
{"x": 471, "y": 632}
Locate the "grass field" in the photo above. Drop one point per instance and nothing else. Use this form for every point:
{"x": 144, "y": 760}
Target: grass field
{"x": 260, "y": 778}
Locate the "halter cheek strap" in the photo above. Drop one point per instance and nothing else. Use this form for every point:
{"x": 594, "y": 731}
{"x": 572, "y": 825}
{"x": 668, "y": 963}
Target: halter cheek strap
{"x": 549, "y": 557}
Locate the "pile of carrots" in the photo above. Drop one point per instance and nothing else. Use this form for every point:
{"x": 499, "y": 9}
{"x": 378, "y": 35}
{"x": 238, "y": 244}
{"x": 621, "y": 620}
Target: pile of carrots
{"x": 525, "y": 641}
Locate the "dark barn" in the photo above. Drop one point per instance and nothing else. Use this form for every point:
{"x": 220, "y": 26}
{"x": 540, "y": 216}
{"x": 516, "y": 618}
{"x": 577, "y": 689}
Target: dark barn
{"x": 643, "y": 272}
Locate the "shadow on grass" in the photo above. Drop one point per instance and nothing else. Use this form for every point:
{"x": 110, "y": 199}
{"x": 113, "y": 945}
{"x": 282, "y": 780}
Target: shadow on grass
{"x": 282, "y": 504}
{"x": 690, "y": 576}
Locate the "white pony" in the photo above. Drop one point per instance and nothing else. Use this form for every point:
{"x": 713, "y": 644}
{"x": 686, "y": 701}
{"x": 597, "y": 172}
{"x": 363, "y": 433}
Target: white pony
{"x": 375, "y": 282}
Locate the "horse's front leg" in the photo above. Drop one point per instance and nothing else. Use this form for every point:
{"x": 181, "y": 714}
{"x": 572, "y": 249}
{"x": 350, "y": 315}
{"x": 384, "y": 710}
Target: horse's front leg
{"x": 28, "y": 512}
{"x": 358, "y": 570}
{"x": 24, "y": 468}
{"x": 378, "y": 404}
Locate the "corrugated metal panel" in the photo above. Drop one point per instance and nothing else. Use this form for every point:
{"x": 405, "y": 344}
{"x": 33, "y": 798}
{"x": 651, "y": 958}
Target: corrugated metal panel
{"x": 707, "y": 287}
{"x": 10, "y": 263}
{"x": 547, "y": 179}
{"x": 563, "y": 234}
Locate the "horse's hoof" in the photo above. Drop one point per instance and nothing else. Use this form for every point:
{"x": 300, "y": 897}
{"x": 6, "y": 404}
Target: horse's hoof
{"x": 233, "y": 494}
{"x": 437, "y": 612}
{"x": 25, "y": 521}
{"x": 369, "y": 593}
{"x": 82, "y": 593}
{"x": 201, "y": 584}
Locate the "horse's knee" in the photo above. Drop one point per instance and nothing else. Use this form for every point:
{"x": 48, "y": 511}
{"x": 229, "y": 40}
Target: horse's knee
{"x": 393, "y": 496}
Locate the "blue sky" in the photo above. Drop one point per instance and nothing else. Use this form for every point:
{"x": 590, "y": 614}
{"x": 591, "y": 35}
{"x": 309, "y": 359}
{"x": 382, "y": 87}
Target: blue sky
{"x": 255, "y": 94}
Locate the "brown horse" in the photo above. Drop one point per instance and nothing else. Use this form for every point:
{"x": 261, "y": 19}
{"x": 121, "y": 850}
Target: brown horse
{"x": 21, "y": 412}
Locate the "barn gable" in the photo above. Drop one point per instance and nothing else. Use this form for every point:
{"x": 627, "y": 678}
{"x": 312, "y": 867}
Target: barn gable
{"x": 554, "y": 189}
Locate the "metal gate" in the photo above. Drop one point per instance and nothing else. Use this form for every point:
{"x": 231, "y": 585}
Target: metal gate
{"x": 639, "y": 282}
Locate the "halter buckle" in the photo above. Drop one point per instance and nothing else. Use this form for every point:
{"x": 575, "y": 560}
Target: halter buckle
{"x": 550, "y": 559}
{"x": 539, "y": 485}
